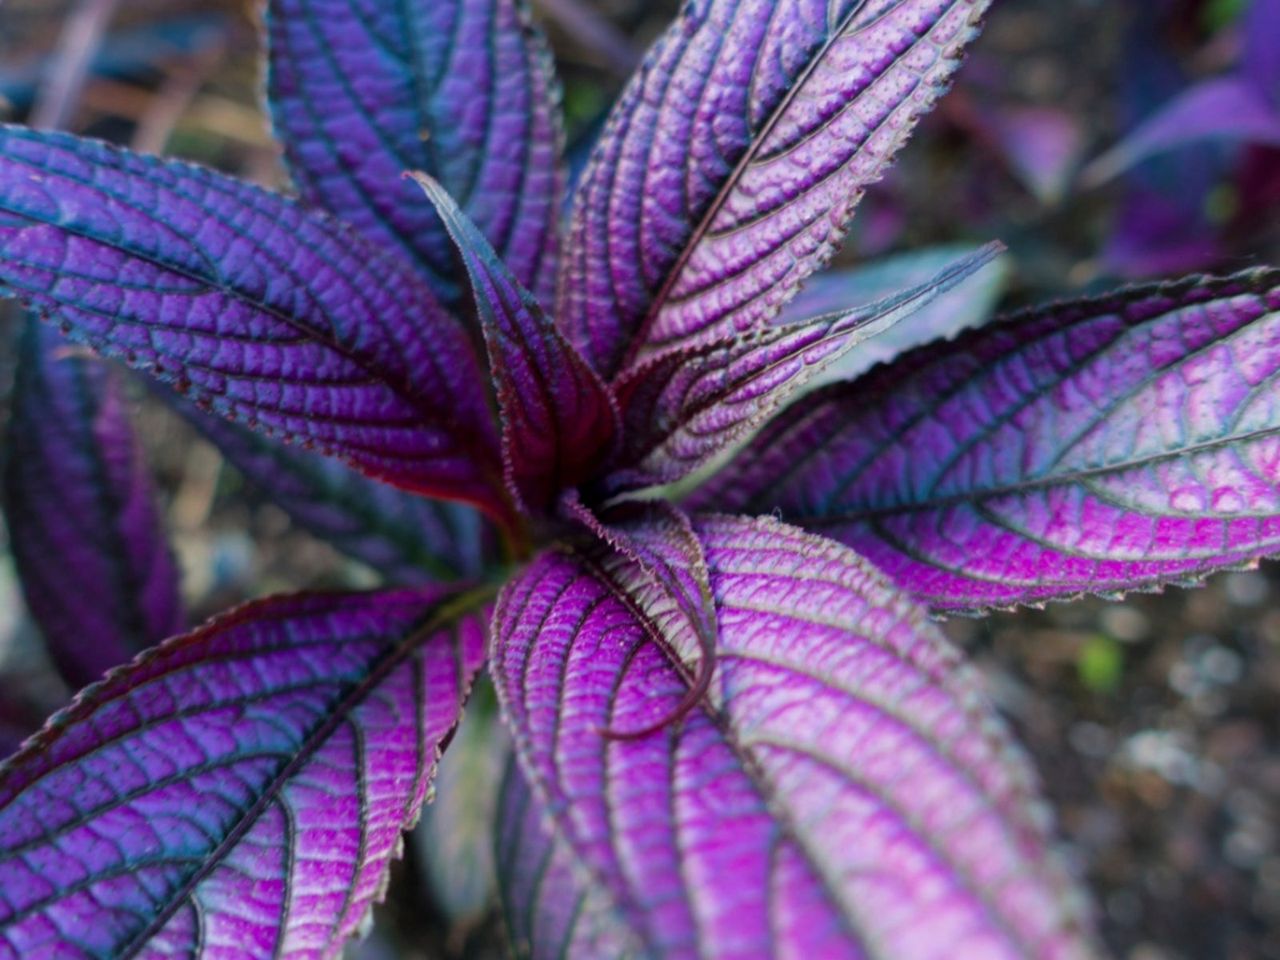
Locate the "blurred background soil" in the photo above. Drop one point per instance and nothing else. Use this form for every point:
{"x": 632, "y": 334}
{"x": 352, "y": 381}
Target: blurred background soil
{"x": 1155, "y": 722}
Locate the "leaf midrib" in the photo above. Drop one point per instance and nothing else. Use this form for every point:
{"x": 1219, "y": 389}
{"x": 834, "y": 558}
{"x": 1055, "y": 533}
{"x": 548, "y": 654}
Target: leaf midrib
{"x": 444, "y": 612}
{"x": 1083, "y": 475}
{"x": 730, "y": 184}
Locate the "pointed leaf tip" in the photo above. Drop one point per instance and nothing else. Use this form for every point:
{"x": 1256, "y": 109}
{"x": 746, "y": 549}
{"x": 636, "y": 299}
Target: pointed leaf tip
{"x": 559, "y": 418}
{"x": 685, "y": 405}
{"x": 363, "y": 89}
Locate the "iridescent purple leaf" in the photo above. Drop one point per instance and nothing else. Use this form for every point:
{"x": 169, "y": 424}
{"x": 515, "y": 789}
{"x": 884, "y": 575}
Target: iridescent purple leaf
{"x": 685, "y": 405}
{"x": 1228, "y": 108}
{"x": 971, "y": 303}
{"x": 558, "y": 417}
{"x": 1261, "y": 59}
{"x": 363, "y": 90}
{"x": 735, "y": 158}
{"x": 844, "y": 791}
{"x": 408, "y": 538}
{"x": 239, "y": 791}
{"x": 1103, "y": 445}
{"x": 258, "y": 309}
{"x": 86, "y": 533}
{"x": 551, "y": 910}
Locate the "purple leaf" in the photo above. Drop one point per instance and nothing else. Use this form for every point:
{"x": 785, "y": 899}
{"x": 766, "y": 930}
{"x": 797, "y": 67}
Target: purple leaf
{"x": 1227, "y": 108}
{"x": 258, "y": 309}
{"x": 558, "y": 417}
{"x": 845, "y": 790}
{"x": 550, "y": 912}
{"x": 363, "y": 90}
{"x": 86, "y": 534}
{"x": 407, "y": 538}
{"x": 1101, "y": 445}
{"x": 1041, "y": 145}
{"x": 1261, "y": 60}
{"x": 685, "y": 405}
{"x": 239, "y": 791}
{"x": 734, "y": 159}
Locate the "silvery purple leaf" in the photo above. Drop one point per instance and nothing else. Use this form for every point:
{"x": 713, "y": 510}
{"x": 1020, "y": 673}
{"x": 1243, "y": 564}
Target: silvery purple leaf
{"x": 685, "y": 405}
{"x": 970, "y": 303}
{"x": 239, "y": 791}
{"x": 363, "y": 90}
{"x": 1105, "y": 444}
{"x": 559, "y": 420}
{"x": 845, "y": 790}
{"x": 551, "y": 910}
{"x": 735, "y": 157}
{"x": 84, "y": 526}
{"x": 255, "y": 307}
{"x": 407, "y": 538}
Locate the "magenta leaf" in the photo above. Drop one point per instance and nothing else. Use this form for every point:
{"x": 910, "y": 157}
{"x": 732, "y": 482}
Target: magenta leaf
{"x": 407, "y": 538}
{"x": 845, "y": 790}
{"x": 1101, "y": 445}
{"x": 735, "y": 157}
{"x": 86, "y": 533}
{"x": 558, "y": 417}
{"x": 238, "y": 791}
{"x": 363, "y": 90}
{"x": 256, "y": 308}
{"x": 550, "y": 910}
{"x": 685, "y": 405}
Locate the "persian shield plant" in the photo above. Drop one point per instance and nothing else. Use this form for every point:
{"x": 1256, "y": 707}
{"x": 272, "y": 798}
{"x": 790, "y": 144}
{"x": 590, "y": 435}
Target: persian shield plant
{"x": 737, "y": 731}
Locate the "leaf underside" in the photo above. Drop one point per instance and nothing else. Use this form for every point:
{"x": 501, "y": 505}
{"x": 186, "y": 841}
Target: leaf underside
{"x": 407, "y": 538}
{"x": 363, "y": 90}
{"x": 266, "y": 313}
{"x": 85, "y": 530}
{"x": 845, "y": 790}
{"x": 239, "y": 791}
{"x": 734, "y": 159}
{"x": 1100, "y": 445}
